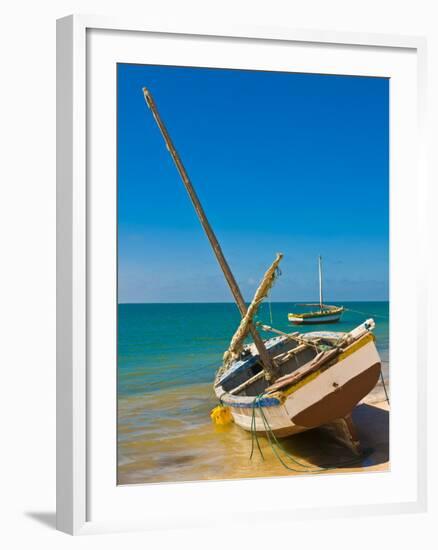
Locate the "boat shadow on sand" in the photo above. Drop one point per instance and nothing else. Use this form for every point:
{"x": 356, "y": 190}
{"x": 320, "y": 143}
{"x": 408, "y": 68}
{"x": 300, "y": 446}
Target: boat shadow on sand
{"x": 326, "y": 447}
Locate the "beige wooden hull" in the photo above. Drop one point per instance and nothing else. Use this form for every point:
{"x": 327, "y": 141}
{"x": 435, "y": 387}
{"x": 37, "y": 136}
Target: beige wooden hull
{"x": 328, "y": 396}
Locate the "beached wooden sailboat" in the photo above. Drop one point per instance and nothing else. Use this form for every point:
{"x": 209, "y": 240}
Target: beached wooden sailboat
{"x": 323, "y": 314}
{"x": 319, "y": 378}
{"x": 290, "y": 382}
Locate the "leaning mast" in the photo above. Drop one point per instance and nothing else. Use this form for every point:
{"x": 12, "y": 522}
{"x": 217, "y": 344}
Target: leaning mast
{"x": 265, "y": 358}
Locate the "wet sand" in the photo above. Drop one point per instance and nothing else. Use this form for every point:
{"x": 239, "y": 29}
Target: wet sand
{"x": 168, "y": 437}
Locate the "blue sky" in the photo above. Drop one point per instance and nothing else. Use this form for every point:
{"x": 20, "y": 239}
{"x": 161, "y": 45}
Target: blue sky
{"x": 296, "y": 163}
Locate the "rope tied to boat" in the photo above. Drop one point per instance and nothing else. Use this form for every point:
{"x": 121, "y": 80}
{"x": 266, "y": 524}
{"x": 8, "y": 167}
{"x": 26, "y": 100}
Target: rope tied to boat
{"x": 276, "y": 446}
{"x": 384, "y": 387}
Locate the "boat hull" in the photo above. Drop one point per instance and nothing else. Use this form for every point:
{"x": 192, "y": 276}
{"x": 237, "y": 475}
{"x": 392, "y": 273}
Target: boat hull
{"x": 319, "y": 320}
{"x": 330, "y": 395}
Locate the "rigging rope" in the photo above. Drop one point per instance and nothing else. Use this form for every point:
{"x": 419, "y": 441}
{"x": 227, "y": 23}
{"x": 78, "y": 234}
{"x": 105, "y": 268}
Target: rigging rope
{"x": 274, "y": 444}
{"x": 366, "y": 313}
{"x": 384, "y": 386}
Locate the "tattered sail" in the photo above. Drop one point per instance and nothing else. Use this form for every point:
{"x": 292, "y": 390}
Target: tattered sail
{"x": 236, "y": 344}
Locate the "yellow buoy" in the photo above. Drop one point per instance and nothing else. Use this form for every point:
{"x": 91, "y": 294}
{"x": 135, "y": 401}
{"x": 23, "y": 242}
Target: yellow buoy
{"x": 221, "y": 415}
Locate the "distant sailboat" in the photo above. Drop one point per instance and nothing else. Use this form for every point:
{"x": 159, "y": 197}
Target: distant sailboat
{"x": 325, "y": 313}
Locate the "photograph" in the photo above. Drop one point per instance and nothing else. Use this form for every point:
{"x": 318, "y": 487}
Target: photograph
{"x": 253, "y": 243}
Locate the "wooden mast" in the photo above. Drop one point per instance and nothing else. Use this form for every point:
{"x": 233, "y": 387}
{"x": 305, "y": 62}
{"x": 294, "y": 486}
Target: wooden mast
{"x": 265, "y": 359}
{"x": 320, "y": 282}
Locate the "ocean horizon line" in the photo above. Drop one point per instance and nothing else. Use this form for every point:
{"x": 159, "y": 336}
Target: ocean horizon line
{"x": 248, "y": 302}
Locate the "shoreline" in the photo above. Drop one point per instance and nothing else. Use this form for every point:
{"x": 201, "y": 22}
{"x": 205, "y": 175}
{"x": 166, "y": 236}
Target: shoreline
{"x": 182, "y": 448}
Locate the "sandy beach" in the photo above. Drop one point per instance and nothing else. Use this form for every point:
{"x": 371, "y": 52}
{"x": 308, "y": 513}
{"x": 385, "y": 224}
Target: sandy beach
{"x": 186, "y": 446}
{"x": 165, "y": 396}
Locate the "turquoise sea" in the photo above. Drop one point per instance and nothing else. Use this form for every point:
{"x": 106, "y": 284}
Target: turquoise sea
{"x": 167, "y": 358}
{"x": 161, "y": 346}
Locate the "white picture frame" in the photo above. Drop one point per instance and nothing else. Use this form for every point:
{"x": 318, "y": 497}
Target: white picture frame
{"x": 74, "y": 288}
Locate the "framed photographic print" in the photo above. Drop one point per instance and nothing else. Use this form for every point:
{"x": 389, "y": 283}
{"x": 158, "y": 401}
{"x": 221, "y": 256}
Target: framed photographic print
{"x": 240, "y": 274}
